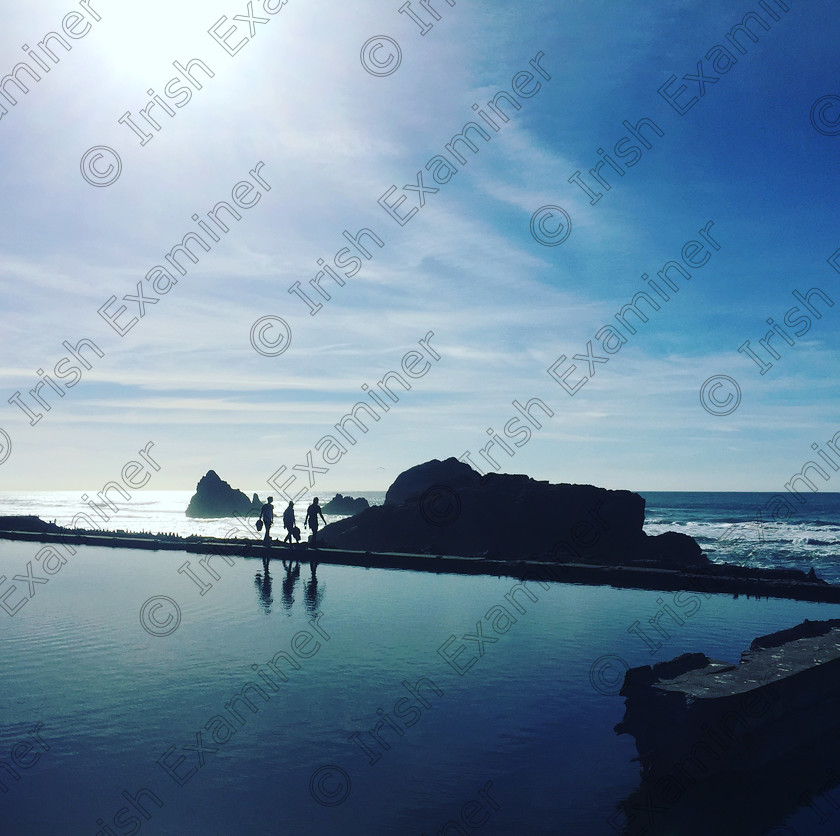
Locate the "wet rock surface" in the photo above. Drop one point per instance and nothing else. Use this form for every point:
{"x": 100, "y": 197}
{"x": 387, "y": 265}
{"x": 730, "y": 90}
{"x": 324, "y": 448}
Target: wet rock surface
{"x": 733, "y": 748}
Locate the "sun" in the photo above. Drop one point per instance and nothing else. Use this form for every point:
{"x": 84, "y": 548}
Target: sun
{"x": 138, "y": 42}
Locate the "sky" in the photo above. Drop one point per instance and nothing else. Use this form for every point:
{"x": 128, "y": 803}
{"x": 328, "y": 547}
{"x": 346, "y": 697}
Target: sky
{"x": 326, "y": 112}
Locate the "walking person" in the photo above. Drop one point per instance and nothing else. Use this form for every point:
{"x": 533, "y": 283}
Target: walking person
{"x": 312, "y": 513}
{"x": 289, "y": 524}
{"x": 267, "y": 517}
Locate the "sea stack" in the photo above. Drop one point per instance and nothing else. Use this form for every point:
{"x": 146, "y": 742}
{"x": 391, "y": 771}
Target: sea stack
{"x": 345, "y": 506}
{"x": 214, "y": 498}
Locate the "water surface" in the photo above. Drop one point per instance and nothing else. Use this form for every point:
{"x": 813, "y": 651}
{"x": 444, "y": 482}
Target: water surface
{"x": 523, "y": 723}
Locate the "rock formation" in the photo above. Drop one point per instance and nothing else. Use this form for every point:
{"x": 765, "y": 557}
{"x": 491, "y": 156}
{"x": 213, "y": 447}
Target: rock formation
{"x": 344, "y": 506}
{"x": 445, "y": 507}
{"x": 215, "y": 498}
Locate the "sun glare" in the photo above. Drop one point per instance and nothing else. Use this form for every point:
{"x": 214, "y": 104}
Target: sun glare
{"x": 139, "y": 47}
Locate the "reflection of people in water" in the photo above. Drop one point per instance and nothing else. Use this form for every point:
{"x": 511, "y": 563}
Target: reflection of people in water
{"x": 312, "y": 513}
{"x": 311, "y": 594}
{"x": 263, "y": 583}
{"x": 292, "y": 568}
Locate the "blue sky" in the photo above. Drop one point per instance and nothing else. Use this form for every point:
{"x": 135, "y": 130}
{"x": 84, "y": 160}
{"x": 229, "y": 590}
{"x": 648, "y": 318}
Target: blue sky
{"x": 333, "y": 138}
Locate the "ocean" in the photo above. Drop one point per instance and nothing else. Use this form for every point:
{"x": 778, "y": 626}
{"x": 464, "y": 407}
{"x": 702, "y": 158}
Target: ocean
{"x": 730, "y": 527}
{"x": 737, "y": 528}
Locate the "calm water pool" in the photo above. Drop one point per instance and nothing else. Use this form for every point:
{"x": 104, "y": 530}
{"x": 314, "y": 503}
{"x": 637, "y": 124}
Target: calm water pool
{"x": 360, "y": 725}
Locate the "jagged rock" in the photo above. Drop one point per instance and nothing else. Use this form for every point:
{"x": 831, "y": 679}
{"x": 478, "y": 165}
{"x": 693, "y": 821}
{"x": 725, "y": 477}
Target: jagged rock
{"x": 345, "y": 505}
{"x": 215, "y": 498}
{"x": 445, "y": 507}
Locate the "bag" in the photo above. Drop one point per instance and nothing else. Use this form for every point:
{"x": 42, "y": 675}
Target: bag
{"x": 259, "y": 525}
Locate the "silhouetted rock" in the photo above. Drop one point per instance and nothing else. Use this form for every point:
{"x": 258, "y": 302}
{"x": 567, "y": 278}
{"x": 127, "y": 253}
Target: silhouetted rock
{"x": 214, "y": 498}
{"x": 345, "y": 505}
{"x": 411, "y": 483}
{"x": 445, "y": 507}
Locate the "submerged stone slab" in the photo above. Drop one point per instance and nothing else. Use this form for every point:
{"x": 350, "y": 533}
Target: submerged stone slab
{"x": 698, "y": 715}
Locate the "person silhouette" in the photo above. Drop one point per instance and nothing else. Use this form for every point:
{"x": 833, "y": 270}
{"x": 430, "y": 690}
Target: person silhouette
{"x": 267, "y": 517}
{"x": 312, "y": 513}
{"x": 289, "y": 524}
